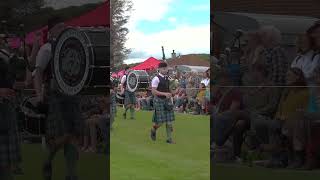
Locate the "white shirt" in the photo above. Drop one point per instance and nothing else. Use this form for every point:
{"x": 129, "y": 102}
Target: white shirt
{"x": 307, "y": 63}
{"x": 206, "y": 81}
{"x": 155, "y": 81}
{"x": 43, "y": 57}
{"x": 123, "y": 79}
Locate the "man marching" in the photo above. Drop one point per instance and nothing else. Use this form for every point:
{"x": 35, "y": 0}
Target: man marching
{"x": 163, "y": 106}
{"x": 9, "y": 142}
{"x": 64, "y": 121}
{"x": 129, "y": 97}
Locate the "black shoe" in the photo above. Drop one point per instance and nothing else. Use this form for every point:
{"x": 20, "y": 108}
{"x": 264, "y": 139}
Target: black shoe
{"x": 18, "y": 171}
{"x": 132, "y": 118}
{"x": 170, "y": 142}
{"x": 47, "y": 171}
{"x": 153, "y": 134}
{"x": 124, "y": 116}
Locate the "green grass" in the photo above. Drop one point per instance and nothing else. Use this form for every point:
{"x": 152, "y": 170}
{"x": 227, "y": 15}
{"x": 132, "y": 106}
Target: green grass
{"x": 91, "y": 166}
{"x": 135, "y": 157}
{"x": 221, "y": 172}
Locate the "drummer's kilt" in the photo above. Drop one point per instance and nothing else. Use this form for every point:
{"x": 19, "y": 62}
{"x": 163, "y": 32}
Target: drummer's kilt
{"x": 129, "y": 98}
{"x": 161, "y": 113}
{"x": 9, "y": 139}
{"x": 64, "y": 116}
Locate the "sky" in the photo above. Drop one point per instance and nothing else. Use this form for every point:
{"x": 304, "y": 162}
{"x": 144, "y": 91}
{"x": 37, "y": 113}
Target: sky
{"x": 180, "y": 25}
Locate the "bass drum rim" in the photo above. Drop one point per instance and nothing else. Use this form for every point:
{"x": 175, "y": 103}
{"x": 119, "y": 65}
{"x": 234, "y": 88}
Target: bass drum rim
{"x": 137, "y": 83}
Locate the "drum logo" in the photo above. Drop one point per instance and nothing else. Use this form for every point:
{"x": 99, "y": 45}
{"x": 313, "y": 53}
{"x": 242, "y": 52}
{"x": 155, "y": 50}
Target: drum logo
{"x": 71, "y": 62}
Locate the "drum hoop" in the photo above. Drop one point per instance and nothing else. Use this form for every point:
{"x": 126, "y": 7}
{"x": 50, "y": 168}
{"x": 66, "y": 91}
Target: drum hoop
{"x": 93, "y": 58}
{"x": 136, "y": 86}
{"x": 65, "y": 35}
{"x": 145, "y": 74}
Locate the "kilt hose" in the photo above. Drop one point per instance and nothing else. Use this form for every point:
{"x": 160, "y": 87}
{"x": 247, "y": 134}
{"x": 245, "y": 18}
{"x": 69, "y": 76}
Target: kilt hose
{"x": 10, "y": 152}
{"x": 162, "y": 114}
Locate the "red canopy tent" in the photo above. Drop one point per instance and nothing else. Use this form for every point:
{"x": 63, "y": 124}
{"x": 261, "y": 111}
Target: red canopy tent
{"x": 95, "y": 18}
{"x": 149, "y": 64}
{"x": 98, "y": 17}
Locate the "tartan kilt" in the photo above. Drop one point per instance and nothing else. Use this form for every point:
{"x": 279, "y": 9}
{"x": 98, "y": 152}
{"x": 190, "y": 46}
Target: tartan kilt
{"x": 10, "y": 152}
{"x": 162, "y": 115}
{"x": 129, "y": 98}
{"x": 64, "y": 116}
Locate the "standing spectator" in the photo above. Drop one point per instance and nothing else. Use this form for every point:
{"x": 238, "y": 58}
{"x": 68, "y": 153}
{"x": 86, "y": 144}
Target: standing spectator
{"x": 206, "y": 80}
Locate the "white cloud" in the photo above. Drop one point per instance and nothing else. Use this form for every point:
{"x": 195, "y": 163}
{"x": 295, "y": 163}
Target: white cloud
{"x": 183, "y": 39}
{"x": 148, "y": 10}
{"x": 201, "y": 7}
{"x": 172, "y": 19}
{"x": 134, "y": 60}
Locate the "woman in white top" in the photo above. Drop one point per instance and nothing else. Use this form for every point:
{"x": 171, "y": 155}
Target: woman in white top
{"x": 306, "y": 60}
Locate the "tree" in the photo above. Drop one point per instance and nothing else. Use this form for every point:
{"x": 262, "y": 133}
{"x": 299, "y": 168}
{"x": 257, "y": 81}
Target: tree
{"x": 120, "y": 10}
{"x": 13, "y": 11}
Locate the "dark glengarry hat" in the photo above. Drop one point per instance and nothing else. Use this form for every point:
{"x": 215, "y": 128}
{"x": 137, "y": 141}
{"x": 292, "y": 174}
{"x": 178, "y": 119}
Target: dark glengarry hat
{"x": 162, "y": 65}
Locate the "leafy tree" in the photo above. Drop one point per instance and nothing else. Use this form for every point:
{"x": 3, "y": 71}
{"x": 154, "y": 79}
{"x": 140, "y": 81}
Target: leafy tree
{"x": 120, "y": 13}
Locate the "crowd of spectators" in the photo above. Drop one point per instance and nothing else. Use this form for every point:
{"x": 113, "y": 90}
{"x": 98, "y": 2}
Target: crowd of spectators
{"x": 274, "y": 114}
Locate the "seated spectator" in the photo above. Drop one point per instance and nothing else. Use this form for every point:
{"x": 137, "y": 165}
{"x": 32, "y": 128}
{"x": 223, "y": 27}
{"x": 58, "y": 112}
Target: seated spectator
{"x": 293, "y": 100}
{"x": 227, "y": 118}
{"x": 260, "y": 104}
{"x": 200, "y": 100}
{"x": 273, "y": 56}
{"x": 305, "y": 140}
{"x": 181, "y": 101}
{"x": 92, "y": 124}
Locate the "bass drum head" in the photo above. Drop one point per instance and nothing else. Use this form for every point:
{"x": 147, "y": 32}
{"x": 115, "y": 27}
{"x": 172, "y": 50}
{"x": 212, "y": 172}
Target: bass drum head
{"x": 71, "y": 61}
{"x": 133, "y": 79}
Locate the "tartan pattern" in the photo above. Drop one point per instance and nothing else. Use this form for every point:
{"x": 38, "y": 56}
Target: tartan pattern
{"x": 64, "y": 116}
{"x": 161, "y": 115}
{"x": 113, "y": 107}
{"x": 277, "y": 65}
{"x": 9, "y": 142}
{"x": 129, "y": 98}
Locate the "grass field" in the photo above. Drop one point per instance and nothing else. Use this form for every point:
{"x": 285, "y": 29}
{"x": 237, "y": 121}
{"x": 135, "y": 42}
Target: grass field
{"x": 135, "y": 157}
{"x": 226, "y": 172}
{"x": 91, "y": 166}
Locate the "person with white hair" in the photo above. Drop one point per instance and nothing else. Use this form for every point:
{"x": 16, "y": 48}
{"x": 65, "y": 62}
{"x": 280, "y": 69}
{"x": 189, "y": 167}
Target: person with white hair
{"x": 273, "y": 56}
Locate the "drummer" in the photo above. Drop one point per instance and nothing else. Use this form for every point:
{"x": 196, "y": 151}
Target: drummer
{"x": 9, "y": 143}
{"x": 63, "y": 121}
{"x": 129, "y": 97}
{"x": 162, "y": 102}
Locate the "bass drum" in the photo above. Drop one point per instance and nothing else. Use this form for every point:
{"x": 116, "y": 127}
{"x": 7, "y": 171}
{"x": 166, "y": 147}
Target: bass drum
{"x": 81, "y": 61}
{"x": 137, "y": 80}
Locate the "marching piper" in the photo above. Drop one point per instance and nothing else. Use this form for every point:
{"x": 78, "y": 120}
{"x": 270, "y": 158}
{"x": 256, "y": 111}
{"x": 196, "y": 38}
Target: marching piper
{"x": 129, "y": 97}
{"x": 163, "y": 105}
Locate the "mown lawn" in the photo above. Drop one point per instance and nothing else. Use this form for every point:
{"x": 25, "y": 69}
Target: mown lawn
{"x": 91, "y": 166}
{"x": 135, "y": 157}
